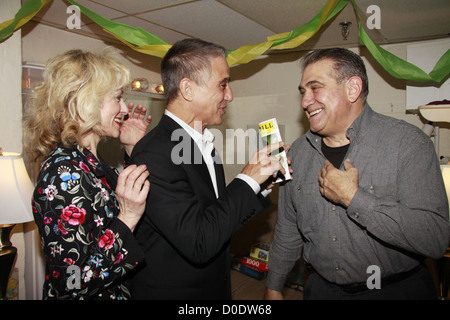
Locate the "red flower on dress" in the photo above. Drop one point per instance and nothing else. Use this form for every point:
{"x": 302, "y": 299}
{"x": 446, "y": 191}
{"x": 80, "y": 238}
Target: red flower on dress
{"x": 105, "y": 182}
{"x": 107, "y": 240}
{"x": 119, "y": 258}
{"x": 73, "y": 215}
{"x": 61, "y": 228}
{"x": 84, "y": 167}
{"x": 69, "y": 261}
{"x": 47, "y": 220}
{"x": 92, "y": 160}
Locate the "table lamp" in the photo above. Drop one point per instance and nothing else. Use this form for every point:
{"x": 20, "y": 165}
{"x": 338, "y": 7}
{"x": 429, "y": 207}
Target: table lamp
{"x": 16, "y": 190}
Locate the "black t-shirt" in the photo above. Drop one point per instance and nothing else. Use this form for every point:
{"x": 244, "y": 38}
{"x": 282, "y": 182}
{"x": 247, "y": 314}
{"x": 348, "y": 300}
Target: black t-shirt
{"x": 334, "y": 155}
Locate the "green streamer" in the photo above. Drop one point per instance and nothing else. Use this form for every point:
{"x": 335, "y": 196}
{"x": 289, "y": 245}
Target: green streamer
{"x": 143, "y": 41}
{"x": 400, "y": 68}
{"x": 135, "y": 36}
{"x": 25, "y": 13}
{"x": 312, "y": 25}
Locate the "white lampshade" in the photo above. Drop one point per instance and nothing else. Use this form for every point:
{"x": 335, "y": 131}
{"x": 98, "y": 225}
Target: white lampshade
{"x": 446, "y": 175}
{"x": 16, "y": 190}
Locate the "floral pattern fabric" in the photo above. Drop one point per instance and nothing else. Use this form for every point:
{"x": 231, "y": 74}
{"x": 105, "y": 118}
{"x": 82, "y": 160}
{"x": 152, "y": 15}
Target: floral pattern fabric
{"x": 75, "y": 209}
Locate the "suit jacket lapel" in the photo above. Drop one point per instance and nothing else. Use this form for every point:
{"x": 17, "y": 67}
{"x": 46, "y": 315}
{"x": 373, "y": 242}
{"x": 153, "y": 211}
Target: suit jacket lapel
{"x": 220, "y": 176}
{"x": 195, "y": 160}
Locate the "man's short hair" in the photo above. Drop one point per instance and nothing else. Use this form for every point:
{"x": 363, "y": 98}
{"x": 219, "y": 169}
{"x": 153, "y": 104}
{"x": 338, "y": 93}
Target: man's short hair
{"x": 188, "y": 58}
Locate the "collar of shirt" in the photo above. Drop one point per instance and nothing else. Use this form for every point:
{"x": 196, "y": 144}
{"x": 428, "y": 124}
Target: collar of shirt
{"x": 204, "y": 143}
{"x": 358, "y": 128}
{"x": 354, "y": 132}
{"x": 205, "y": 138}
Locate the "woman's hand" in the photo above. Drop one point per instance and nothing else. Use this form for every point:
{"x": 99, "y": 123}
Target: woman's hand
{"x": 131, "y": 191}
{"x": 134, "y": 127}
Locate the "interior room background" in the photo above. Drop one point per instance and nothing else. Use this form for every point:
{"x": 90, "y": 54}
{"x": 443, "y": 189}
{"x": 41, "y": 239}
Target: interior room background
{"x": 263, "y": 89}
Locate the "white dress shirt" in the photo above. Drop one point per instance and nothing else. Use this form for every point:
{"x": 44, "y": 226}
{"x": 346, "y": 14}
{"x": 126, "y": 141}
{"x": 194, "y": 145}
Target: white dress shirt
{"x": 204, "y": 143}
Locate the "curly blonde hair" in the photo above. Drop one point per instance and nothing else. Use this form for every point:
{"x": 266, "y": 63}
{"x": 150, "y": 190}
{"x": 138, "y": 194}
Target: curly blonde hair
{"x": 66, "y": 105}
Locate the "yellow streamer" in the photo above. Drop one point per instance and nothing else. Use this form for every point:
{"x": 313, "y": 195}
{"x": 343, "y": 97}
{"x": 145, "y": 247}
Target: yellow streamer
{"x": 295, "y": 42}
{"x": 249, "y": 52}
{"x": 157, "y": 50}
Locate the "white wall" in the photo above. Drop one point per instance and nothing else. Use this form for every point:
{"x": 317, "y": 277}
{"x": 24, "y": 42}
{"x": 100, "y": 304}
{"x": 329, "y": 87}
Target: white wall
{"x": 10, "y": 84}
{"x": 11, "y": 111}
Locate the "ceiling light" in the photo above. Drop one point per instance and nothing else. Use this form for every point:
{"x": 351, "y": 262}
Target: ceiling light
{"x": 140, "y": 84}
{"x": 345, "y": 25}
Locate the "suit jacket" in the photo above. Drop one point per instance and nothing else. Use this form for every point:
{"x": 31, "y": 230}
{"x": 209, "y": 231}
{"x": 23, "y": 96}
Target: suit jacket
{"x": 185, "y": 230}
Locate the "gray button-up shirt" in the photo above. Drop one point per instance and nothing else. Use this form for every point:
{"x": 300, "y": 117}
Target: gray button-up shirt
{"x": 399, "y": 213}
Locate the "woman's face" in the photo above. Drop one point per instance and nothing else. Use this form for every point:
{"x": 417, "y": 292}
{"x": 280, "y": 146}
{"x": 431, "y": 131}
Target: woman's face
{"x": 111, "y": 113}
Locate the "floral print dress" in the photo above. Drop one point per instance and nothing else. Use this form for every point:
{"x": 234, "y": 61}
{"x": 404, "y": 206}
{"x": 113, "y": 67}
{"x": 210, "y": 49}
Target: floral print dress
{"x": 87, "y": 249}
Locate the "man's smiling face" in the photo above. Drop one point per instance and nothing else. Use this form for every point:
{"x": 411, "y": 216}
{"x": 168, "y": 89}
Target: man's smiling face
{"x": 324, "y": 100}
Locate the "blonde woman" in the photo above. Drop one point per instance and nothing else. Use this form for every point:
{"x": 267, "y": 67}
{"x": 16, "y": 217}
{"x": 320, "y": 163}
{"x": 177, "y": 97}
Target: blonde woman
{"x": 84, "y": 211}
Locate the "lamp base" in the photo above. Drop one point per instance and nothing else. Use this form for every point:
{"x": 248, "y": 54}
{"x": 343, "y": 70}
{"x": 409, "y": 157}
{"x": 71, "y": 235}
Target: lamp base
{"x": 7, "y": 257}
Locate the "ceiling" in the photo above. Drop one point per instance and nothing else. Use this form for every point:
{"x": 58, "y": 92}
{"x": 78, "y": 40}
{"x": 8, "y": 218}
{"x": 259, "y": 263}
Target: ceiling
{"x": 234, "y": 23}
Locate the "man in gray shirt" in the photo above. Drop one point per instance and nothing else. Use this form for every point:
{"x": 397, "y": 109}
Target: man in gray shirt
{"x": 367, "y": 202}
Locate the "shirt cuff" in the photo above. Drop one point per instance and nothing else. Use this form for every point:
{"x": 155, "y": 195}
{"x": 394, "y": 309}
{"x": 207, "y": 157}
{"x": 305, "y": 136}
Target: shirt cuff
{"x": 362, "y": 202}
{"x": 250, "y": 181}
{"x": 266, "y": 192}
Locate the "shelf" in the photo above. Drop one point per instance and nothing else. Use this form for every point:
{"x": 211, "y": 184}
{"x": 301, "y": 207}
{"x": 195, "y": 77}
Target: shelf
{"x": 131, "y": 93}
{"x": 436, "y": 113}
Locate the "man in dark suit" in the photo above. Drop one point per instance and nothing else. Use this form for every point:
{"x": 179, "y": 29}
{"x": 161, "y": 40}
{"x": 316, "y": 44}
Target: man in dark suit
{"x": 191, "y": 213}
